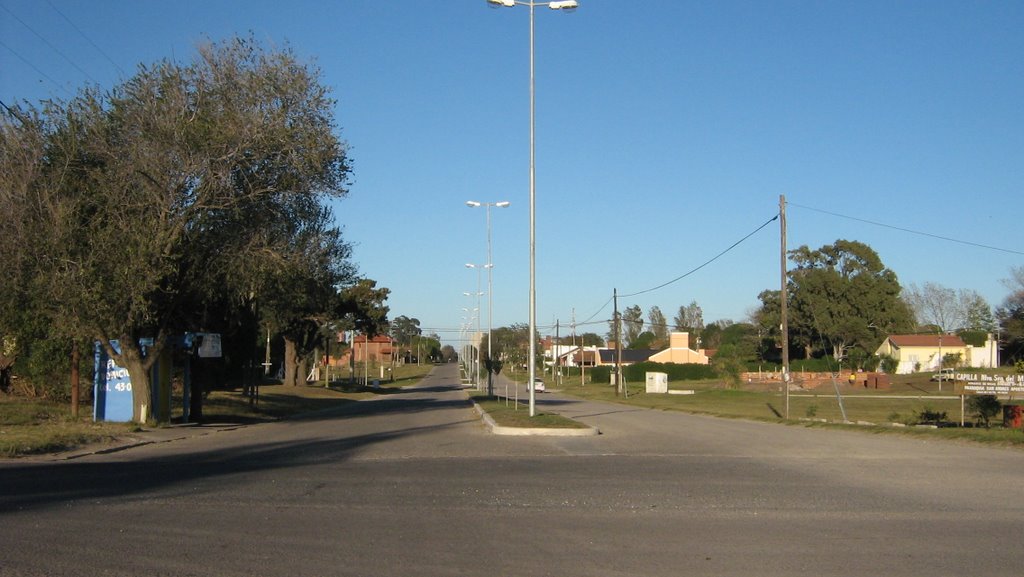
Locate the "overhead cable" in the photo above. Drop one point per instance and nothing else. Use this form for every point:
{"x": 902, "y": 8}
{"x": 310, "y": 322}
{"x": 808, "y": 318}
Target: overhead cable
{"x": 713, "y": 259}
{"x": 907, "y": 230}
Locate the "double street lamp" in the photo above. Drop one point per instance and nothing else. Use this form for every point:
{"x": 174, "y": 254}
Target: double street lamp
{"x": 490, "y": 283}
{"x": 477, "y": 294}
{"x": 468, "y": 347}
{"x": 559, "y": 5}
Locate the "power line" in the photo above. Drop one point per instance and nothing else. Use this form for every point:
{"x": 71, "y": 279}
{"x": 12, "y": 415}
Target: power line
{"x": 47, "y": 42}
{"x": 907, "y": 230}
{"x": 87, "y": 39}
{"x": 591, "y": 317}
{"x": 34, "y": 67}
{"x": 713, "y": 259}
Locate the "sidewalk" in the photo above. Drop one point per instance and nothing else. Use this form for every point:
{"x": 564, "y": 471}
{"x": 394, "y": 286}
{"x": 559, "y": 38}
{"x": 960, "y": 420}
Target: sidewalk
{"x": 147, "y": 436}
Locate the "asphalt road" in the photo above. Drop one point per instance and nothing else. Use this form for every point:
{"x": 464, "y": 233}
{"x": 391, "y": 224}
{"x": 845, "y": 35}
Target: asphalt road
{"x": 413, "y": 484}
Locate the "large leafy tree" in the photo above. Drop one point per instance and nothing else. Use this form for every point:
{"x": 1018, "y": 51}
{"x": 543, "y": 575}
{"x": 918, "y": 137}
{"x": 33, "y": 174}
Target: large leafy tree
{"x": 22, "y": 152}
{"x": 689, "y": 318}
{"x": 511, "y": 344}
{"x": 842, "y": 294}
{"x": 1011, "y": 316}
{"x": 300, "y": 294}
{"x": 978, "y": 315}
{"x": 181, "y": 185}
{"x": 632, "y": 324}
{"x": 404, "y": 328}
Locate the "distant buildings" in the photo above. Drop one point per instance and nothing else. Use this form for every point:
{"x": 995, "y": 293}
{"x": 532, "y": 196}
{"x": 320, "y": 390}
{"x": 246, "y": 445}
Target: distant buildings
{"x": 915, "y": 353}
{"x": 678, "y": 352}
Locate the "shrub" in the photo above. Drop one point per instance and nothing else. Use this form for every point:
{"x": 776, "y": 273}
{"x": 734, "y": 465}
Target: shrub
{"x": 729, "y": 364}
{"x": 889, "y": 364}
{"x": 675, "y": 372}
{"x": 638, "y": 373}
{"x": 984, "y": 407}
{"x": 601, "y": 374}
{"x": 824, "y": 364}
{"x": 930, "y": 417}
{"x": 44, "y": 366}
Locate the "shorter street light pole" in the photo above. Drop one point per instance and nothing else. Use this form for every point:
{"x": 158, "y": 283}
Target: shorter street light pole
{"x": 490, "y": 286}
{"x": 478, "y": 294}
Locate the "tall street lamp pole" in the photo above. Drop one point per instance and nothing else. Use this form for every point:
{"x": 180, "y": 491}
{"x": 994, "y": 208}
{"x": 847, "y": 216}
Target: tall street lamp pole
{"x": 490, "y": 285}
{"x": 474, "y": 314}
{"x": 559, "y": 5}
{"x": 477, "y": 294}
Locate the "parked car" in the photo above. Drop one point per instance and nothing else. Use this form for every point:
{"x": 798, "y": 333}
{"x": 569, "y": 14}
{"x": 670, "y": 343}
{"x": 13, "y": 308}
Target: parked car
{"x": 944, "y": 375}
{"x": 538, "y": 385}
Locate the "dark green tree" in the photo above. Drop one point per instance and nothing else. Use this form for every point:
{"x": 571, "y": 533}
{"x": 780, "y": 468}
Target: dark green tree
{"x": 645, "y": 340}
{"x": 690, "y": 318}
{"x": 403, "y": 329}
{"x": 841, "y": 294}
{"x": 181, "y": 185}
{"x": 632, "y": 324}
{"x": 1011, "y": 317}
{"x": 658, "y": 326}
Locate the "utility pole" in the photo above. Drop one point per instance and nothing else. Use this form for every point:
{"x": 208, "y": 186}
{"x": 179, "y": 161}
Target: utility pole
{"x": 579, "y": 351}
{"x": 556, "y": 369}
{"x": 618, "y": 344}
{"x": 784, "y": 326}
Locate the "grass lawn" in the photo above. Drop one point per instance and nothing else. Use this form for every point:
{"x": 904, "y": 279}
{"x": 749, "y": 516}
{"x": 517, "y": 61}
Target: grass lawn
{"x": 507, "y": 413}
{"x": 907, "y": 398}
{"x": 38, "y": 426}
{"x": 35, "y": 426}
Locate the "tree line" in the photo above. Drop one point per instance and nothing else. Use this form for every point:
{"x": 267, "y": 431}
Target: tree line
{"x": 189, "y": 197}
{"x": 842, "y": 302}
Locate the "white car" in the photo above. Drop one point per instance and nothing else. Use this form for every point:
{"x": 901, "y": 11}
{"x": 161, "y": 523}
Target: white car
{"x": 538, "y": 385}
{"x": 944, "y": 375}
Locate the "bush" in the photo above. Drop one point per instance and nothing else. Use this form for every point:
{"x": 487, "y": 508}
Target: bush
{"x": 675, "y": 372}
{"x": 638, "y": 373}
{"x": 984, "y": 407}
{"x": 601, "y": 374}
{"x": 889, "y": 364}
{"x": 44, "y": 365}
{"x": 729, "y": 364}
{"x": 824, "y": 364}
{"x": 930, "y": 417}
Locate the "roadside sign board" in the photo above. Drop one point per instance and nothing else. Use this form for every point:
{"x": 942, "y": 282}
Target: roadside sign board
{"x": 998, "y": 385}
{"x": 112, "y": 388}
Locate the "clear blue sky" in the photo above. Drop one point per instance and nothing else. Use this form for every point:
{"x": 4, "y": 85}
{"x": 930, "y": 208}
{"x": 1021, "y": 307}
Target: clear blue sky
{"x": 666, "y": 131}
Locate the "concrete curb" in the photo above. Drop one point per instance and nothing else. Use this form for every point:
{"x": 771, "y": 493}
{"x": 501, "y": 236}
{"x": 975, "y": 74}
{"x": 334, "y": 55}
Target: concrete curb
{"x": 148, "y": 437}
{"x": 531, "y": 431}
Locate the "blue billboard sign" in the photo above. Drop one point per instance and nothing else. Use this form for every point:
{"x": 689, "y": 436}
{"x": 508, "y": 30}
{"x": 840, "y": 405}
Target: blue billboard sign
{"x": 112, "y": 388}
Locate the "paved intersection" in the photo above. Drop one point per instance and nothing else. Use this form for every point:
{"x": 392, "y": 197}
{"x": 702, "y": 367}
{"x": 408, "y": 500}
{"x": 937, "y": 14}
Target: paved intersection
{"x": 413, "y": 484}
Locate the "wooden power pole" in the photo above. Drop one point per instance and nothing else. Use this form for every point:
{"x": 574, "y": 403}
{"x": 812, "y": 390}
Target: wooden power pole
{"x": 784, "y": 321}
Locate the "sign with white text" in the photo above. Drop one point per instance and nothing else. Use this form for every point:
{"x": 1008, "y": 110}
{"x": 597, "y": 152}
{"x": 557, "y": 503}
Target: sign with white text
{"x": 112, "y": 388}
{"x": 998, "y": 385}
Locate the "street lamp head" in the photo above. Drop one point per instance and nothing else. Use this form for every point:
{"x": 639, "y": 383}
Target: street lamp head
{"x": 564, "y": 5}
{"x": 502, "y": 204}
{"x": 496, "y": 3}
{"x": 472, "y": 203}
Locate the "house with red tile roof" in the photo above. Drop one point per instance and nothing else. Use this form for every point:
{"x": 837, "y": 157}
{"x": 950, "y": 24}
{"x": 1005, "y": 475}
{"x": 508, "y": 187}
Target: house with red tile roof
{"x": 916, "y": 353}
